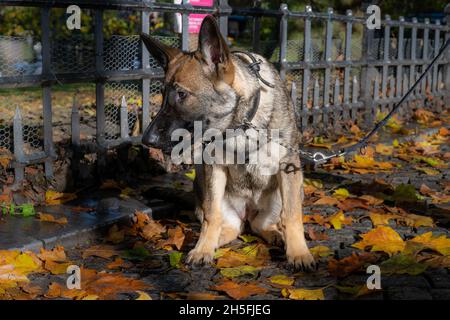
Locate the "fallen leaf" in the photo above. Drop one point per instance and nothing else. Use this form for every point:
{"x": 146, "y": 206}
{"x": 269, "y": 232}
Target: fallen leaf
{"x": 50, "y": 218}
{"x": 338, "y": 219}
{"x": 402, "y": 264}
{"x": 341, "y": 194}
{"x": 235, "y": 272}
{"x": 56, "y": 267}
{"x": 321, "y": 251}
{"x": 176, "y": 238}
{"x": 328, "y": 201}
{"x": 282, "y": 279}
{"x": 57, "y": 254}
{"x": 190, "y": 174}
{"x": 247, "y": 238}
{"x": 345, "y": 266}
{"x": 143, "y": 296}
{"x": 440, "y": 243}
{"x": 381, "y": 239}
{"x": 239, "y": 290}
{"x": 55, "y": 198}
{"x": 175, "y": 259}
{"x": 102, "y": 251}
{"x": 371, "y": 201}
{"x": 119, "y": 263}
{"x": 303, "y": 294}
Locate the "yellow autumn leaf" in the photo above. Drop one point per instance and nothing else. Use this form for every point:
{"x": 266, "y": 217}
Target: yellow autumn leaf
{"x": 338, "y": 219}
{"x": 303, "y": 294}
{"x": 143, "y": 296}
{"x": 282, "y": 279}
{"x": 55, "y": 198}
{"x": 341, "y": 194}
{"x": 440, "y": 243}
{"x": 381, "y": 239}
{"x": 321, "y": 251}
{"x": 190, "y": 174}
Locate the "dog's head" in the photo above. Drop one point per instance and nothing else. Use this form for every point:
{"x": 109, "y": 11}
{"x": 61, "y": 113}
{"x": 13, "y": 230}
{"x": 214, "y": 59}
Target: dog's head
{"x": 197, "y": 86}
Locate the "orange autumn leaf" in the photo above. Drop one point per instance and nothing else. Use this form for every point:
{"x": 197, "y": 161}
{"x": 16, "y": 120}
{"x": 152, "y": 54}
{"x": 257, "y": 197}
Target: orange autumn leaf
{"x": 119, "y": 263}
{"x": 255, "y": 255}
{"x": 176, "y": 238}
{"x": 56, "y": 267}
{"x": 381, "y": 239}
{"x": 239, "y": 290}
{"x": 371, "y": 201}
{"x": 343, "y": 267}
{"x": 353, "y": 203}
{"x": 102, "y": 251}
{"x": 326, "y": 200}
{"x": 57, "y": 254}
{"x": 50, "y": 218}
{"x": 100, "y": 284}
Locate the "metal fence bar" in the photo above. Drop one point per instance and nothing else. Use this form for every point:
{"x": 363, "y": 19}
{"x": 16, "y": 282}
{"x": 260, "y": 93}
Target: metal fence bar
{"x": 327, "y": 78}
{"x": 124, "y": 119}
{"x": 145, "y": 24}
{"x": 306, "y": 71}
{"x": 18, "y": 145}
{"x": 185, "y": 27}
{"x": 426, "y": 39}
{"x": 347, "y": 57}
{"x": 256, "y": 29}
{"x": 447, "y": 65}
{"x": 400, "y": 57}
{"x": 386, "y": 58}
{"x": 434, "y": 87}
{"x": 283, "y": 39}
{"x": 47, "y": 92}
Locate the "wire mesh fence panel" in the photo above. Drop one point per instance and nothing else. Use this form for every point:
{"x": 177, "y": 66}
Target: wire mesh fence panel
{"x": 122, "y": 53}
{"x": 114, "y": 91}
{"x": 19, "y": 56}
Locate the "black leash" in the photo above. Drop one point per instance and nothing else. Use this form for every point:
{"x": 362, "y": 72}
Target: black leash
{"x": 319, "y": 157}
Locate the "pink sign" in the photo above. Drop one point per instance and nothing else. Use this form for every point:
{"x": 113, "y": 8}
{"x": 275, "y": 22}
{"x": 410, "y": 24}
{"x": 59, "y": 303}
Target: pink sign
{"x": 195, "y": 20}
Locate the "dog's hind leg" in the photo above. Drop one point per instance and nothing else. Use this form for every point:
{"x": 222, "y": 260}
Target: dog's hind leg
{"x": 233, "y": 211}
{"x": 215, "y": 181}
{"x": 290, "y": 180}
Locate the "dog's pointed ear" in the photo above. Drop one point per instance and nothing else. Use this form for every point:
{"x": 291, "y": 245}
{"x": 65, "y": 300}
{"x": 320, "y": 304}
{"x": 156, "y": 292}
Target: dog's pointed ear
{"x": 212, "y": 45}
{"x": 161, "y": 52}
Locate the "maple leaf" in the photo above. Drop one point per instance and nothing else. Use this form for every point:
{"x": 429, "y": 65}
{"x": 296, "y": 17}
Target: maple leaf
{"x": 282, "y": 280}
{"x": 328, "y": 201}
{"x": 119, "y": 263}
{"x": 402, "y": 264}
{"x": 176, "y": 238}
{"x": 381, "y": 239}
{"x": 345, "y": 266}
{"x": 239, "y": 290}
{"x": 57, "y": 254}
{"x": 440, "y": 243}
{"x": 371, "y": 201}
{"x": 45, "y": 217}
{"x": 102, "y": 251}
{"x": 99, "y": 284}
{"x": 321, "y": 251}
{"x": 303, "y": 294}
{"x": 338, "y": 219}
{"x": 352, "y": 203}
{"x": 235, "y": 272}
{"x": 55, "y": 198}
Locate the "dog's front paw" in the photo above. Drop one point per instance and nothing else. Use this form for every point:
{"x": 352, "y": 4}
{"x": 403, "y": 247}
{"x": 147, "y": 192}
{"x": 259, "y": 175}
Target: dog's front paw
{"x": 197, "y": 256}
{"x": 303, "y": 261}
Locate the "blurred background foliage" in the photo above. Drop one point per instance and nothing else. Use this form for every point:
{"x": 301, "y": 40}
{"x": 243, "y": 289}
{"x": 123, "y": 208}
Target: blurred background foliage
{"x": 20, "y": 21}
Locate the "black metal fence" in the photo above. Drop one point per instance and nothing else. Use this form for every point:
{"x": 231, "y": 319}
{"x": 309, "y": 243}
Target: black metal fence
{"x": 339, "y": 76}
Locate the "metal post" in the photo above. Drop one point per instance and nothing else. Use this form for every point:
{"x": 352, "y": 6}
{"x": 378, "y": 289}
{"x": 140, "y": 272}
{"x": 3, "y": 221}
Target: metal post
{"x": 283, "y": 39}
{"x": 19, "y": 155}
{"x": 400, "y": 57}
{"x": 447, "y": 65}
{"x": 426, "y": 39}
{"x": 224, "y": 11}
{"x": 327, "y": 80}
{"x": 185, "y": 27}
{"x": 100, "y": 93}
{"x": 75, "y": 124}
{"x": 146, "y": 67}
{"x": 347, "y": 58}
{"x": 386, "y": 58}
{"x": 306, "y": 70}
{"x": 367, "y": 71}
{"x": 256, "y": 32}
{"x": 47, "y": 92}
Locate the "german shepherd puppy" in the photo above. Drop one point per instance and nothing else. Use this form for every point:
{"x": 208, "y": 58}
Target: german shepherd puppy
{"x": 217, "y": 87}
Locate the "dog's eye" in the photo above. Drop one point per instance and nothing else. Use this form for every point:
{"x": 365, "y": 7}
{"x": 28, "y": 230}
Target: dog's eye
{"x": 182, "y": 94}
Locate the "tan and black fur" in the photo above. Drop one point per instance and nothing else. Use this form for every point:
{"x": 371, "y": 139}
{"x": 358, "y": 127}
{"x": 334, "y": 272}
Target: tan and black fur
{"x": 216, "y": 87}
